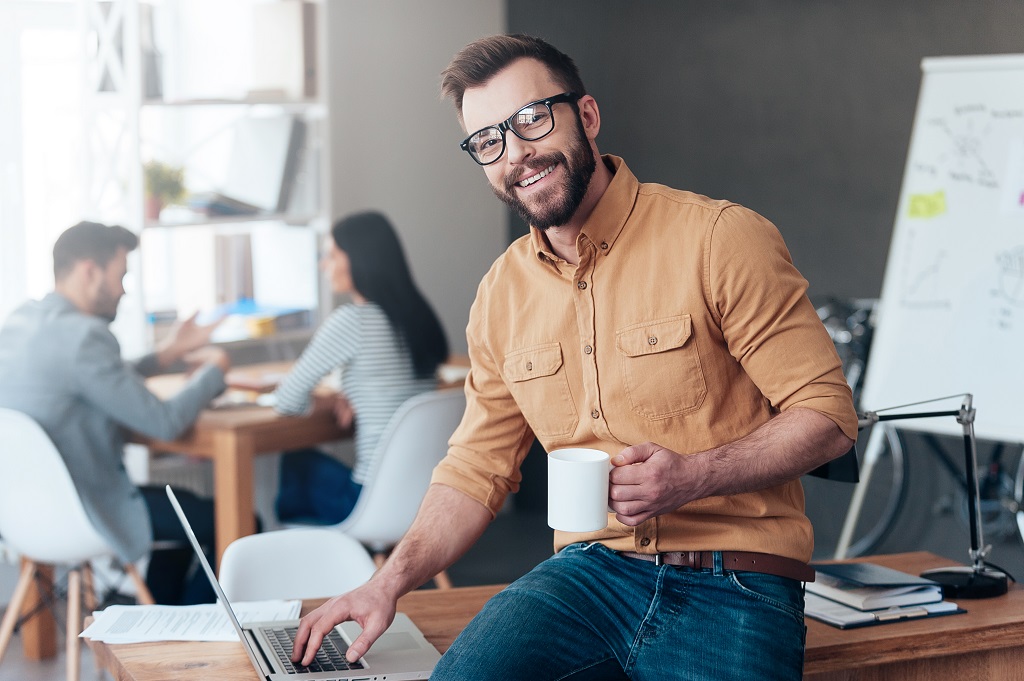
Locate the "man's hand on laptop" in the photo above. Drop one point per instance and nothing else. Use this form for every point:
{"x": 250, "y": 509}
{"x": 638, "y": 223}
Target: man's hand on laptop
{"x": 372, "y": 609}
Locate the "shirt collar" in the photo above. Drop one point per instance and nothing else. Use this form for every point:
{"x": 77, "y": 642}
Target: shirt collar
{"x": 609, "y": 215}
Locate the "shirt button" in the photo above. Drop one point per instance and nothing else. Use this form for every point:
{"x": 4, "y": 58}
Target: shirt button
{"x": 646, "y": 541}
{"x": 604, "y": 245}
{"x": 587, "y": 349}
{"x": 595, "y": 414}
{"x": 582, "y": 285}
{"x": 529, "y": 366}
{"x": 653, "y": 340}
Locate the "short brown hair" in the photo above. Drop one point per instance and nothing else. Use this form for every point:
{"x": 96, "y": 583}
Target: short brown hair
{"x": 482, "y": 59}
{"x": 90, "y": 241}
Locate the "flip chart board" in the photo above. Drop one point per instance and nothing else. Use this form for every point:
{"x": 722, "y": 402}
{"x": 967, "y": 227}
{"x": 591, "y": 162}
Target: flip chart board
{"x": 951, "y": 314}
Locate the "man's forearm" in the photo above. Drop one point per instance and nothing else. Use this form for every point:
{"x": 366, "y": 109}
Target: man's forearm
{"x": 793, "y": 443}
{"x": 448, "y": 523}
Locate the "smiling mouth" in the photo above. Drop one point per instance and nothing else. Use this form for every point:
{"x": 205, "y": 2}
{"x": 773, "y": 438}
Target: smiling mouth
{"x": 533, "y": 178}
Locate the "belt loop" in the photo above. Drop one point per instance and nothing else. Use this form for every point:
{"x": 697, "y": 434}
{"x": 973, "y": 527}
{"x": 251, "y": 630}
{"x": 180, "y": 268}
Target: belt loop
{"x": 716, "y": 557}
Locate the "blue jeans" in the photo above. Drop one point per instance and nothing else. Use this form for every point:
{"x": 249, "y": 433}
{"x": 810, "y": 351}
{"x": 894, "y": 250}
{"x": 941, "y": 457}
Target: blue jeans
{"x": 315, "y": 489}
{"x": 588, "y": 613}
{"x": 174, "y": 576}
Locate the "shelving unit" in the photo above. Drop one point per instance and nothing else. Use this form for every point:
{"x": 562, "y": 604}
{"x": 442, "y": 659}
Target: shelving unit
{"x": 159, "y": 87}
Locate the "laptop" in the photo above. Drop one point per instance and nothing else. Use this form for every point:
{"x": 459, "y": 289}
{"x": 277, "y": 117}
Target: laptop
{"x": 401, "y": 653}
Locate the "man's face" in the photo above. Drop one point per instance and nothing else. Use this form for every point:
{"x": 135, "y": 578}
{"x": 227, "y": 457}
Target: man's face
{"x": 566, "y": 154}
{"x": 106, "y": 285}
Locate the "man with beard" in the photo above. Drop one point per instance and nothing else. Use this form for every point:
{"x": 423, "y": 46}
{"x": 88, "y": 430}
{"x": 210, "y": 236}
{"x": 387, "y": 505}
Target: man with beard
{"x": 61, "y": 365}
{"x": 671, "y": 331}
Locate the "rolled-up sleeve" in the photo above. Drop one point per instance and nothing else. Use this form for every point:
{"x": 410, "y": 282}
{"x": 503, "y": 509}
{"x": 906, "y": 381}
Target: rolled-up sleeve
{"x": 773, "y": 330}
{"x": 489, "y": 445}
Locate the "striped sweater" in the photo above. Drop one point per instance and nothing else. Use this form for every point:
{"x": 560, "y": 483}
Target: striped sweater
{"x": 376, "y": 374}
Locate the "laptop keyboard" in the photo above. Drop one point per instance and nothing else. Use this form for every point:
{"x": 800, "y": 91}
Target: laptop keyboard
{"x": 330, "y": 657}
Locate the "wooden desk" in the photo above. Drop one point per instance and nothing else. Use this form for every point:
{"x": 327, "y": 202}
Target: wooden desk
{"x": 985, "y": 644}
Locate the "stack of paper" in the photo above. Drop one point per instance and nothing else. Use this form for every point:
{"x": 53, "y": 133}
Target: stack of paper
{"x": 860, "y": 594}
{"x": 867, "y": 586}
{"x": 207, "y": 622}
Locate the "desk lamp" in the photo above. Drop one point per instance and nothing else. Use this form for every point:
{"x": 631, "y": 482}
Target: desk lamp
{"x": 979, "y": 580}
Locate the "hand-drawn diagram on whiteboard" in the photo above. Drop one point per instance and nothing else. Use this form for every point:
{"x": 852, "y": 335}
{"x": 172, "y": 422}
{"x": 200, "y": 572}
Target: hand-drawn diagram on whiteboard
{"x": 1011, "y": 276}
{"x": 1013, "y": 191}
{"x": 960, "y": 145}
{"x": 923, "y": 283}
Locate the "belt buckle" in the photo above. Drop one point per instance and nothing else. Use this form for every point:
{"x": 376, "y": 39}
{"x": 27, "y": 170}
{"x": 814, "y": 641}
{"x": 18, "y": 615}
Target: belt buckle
{"x": 658, "y": 560}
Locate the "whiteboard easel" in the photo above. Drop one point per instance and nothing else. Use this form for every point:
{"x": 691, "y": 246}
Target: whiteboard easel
{"x": 950, "y": 319}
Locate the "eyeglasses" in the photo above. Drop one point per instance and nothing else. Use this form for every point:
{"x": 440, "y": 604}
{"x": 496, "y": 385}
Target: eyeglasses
{"x": 530, "y": 123}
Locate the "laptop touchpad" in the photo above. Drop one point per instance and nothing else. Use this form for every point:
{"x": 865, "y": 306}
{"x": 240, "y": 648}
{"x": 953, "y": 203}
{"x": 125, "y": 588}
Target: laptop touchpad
{"x": 394, "y": 642}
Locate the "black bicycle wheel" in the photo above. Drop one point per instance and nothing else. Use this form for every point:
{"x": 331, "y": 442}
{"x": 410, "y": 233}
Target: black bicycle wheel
{"x": 885, "y": 491}
{"x": 1018, "y": 495}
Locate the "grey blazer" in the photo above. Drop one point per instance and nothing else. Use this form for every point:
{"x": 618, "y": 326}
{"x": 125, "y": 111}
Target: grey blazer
{"x": 64, "y": 369}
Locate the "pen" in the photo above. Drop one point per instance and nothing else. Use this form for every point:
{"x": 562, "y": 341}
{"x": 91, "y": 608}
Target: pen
{"x": 896, "y": 614}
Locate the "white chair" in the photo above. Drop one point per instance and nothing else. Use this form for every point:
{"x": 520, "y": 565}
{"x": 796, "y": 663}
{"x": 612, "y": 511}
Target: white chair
{"x": 413, "y": 443}
{"x": 298, "y": 563}
{"x": 42, "y": 519}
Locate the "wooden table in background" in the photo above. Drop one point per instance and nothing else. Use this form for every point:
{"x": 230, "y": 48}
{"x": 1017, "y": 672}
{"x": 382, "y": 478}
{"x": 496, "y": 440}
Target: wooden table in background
{"x": 986, "y": 644}
{"x": 232, "y": 437}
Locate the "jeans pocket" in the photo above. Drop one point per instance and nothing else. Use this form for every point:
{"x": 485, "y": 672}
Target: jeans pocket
{"x": 780, "y": 593}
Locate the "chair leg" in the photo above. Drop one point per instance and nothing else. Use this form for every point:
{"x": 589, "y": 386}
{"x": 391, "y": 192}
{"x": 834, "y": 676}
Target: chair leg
{"x": 74, "y": 623}
{"x": 142, "y": 594}
{"x": 88, "y": 589}
{"x": 28, "y": 573}
{"x": 442, "y": 580}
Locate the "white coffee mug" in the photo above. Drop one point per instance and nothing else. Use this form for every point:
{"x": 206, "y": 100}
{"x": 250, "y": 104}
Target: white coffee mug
{"x": 578, "y": 489}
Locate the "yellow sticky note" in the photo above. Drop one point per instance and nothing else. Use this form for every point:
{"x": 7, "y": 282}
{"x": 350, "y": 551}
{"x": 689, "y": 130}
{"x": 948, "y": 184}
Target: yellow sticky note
{"x": 927, "y": 205}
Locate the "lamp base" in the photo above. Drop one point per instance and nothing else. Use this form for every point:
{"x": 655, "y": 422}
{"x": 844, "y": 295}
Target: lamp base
{"x": 969, "y": 582}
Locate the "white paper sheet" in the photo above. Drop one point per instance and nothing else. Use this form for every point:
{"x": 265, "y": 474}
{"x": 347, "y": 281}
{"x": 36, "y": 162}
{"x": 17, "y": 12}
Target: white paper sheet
{"x": 207, "y": 622}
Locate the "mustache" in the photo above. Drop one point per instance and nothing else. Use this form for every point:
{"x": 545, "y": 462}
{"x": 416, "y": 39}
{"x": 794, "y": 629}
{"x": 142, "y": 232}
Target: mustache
{"x": 535, "y": 164}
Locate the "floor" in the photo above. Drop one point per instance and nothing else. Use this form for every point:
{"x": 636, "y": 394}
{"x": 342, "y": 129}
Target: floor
{"x": 519, "y": 539}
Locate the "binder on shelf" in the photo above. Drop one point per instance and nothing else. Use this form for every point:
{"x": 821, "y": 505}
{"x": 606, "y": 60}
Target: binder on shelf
{"x": 265, "y": 157}
{"x": 284, "y": 50}
{"x": 866, "y": 586}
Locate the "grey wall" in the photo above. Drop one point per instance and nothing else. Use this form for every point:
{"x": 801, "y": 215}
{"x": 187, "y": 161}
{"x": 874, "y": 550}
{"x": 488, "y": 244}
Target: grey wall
{"x": 800, "y": 110}
{"x": 394, "y": 143}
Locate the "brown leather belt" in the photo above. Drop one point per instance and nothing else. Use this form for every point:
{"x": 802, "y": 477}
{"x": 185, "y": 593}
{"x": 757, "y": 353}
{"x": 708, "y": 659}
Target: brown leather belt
{"x": 742, "y": 561}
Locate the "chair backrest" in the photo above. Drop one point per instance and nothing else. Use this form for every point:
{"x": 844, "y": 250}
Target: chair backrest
{"x": 299, "y": 563}
{"x": 41, "y": 515}
{"x": 415, "y": 440}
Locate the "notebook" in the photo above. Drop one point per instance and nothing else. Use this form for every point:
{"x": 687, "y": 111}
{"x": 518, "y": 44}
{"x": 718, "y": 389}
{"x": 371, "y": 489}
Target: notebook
{"x": 401, "y": 653}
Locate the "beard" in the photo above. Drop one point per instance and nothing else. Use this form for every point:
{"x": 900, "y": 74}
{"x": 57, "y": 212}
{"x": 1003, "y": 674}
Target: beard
{"x": 105, "y": 307}
{"x": 557, "y": 204}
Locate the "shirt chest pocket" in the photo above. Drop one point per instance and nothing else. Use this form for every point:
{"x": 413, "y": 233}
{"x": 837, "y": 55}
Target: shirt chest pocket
{"x": 540, "y": 387}
{"x": 661, "y": 368}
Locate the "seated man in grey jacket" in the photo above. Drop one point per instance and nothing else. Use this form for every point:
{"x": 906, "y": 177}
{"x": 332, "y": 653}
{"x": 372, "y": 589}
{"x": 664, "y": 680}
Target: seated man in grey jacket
{"x": 61, "y": 365}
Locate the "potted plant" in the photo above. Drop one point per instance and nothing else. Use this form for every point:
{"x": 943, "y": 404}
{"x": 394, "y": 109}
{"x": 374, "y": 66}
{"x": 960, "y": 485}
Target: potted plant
{"x": 164, "y": 184}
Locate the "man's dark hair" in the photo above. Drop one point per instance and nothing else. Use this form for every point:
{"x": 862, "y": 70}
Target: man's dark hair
{"x": 90, "y": 241}
{"x": 481, "y": 60}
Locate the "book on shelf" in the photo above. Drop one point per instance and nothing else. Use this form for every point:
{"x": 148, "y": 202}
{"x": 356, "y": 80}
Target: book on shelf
{"x": 214, "y": 204}
{"x": 866, "y": 586}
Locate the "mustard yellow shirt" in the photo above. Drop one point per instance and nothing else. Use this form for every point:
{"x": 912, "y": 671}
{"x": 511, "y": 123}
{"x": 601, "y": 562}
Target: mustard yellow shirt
{"x": 685, "y": 324}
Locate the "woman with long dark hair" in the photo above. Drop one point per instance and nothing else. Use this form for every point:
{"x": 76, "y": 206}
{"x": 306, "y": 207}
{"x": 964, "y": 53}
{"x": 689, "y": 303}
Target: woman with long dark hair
{"x": 388, "y": 344}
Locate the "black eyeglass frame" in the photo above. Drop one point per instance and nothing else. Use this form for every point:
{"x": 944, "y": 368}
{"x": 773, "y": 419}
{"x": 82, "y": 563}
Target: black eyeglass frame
{"x": 505, "y": 125}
